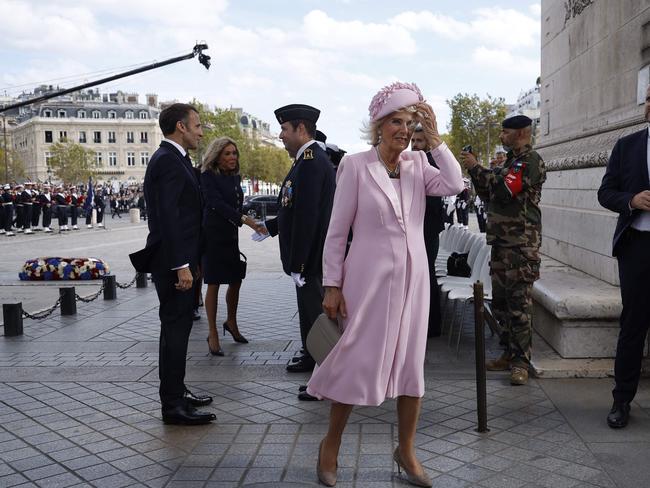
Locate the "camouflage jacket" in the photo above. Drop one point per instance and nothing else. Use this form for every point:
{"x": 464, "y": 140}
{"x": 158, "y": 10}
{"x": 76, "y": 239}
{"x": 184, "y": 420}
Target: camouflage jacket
{"x": 512, "y": 192}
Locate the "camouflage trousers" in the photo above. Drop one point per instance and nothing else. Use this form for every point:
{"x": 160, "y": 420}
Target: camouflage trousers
{"x": 513, "y": 271}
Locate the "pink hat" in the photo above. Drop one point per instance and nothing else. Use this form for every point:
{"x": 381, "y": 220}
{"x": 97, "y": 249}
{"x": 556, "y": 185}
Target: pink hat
{"x": 393, "y": 97}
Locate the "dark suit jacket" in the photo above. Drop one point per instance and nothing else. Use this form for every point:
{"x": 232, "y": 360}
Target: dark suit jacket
{"x": 173, "y": 199}
{"x": 626, "y": 175}
{"x": 305, "y": 206}
{"x": 434, "y": 221}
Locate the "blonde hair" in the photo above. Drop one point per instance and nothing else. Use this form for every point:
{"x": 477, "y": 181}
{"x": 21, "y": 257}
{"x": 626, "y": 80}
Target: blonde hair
{"x": 213, "y": 153}
{"x": 372, "y": 128}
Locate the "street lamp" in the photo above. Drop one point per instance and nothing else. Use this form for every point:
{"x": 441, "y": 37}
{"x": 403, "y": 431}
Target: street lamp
{"x": 4, "y": 130}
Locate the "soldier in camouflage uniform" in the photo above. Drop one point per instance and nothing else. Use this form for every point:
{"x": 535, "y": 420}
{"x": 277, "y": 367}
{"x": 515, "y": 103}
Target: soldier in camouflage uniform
{"x": 514, "y": 226}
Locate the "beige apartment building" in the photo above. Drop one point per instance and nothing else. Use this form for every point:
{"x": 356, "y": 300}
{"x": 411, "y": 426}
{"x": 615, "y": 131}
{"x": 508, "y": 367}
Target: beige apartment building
{"x": 121, "y": 133}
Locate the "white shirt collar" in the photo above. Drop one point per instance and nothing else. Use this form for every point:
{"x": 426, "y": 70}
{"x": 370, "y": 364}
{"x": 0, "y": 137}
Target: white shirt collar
{"x": 180, "y": 148}
{"x": 302, "y": 149}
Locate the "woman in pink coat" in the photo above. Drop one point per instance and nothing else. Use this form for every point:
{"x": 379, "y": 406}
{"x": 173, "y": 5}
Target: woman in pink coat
{"x": 380, "y": 291}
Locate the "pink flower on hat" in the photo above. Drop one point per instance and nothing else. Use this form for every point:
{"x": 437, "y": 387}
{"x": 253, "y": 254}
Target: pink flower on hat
{"x": 393, "y": 97}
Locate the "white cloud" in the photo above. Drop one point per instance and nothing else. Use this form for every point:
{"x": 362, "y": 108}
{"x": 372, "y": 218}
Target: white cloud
{"x": 495, "y": 26}
{"x": 324, "y": 32}
{"x": 536, "y": 9}
{"x": 502, "y": 61}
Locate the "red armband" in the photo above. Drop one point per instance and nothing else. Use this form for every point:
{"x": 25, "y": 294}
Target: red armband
{"x": 514, "y": 178}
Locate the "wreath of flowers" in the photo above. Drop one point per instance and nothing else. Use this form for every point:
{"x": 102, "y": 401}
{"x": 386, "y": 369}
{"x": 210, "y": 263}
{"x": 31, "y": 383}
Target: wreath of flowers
{"x": 57, "y": 268}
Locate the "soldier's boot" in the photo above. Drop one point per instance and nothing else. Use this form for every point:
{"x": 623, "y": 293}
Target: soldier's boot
{"x": 518, "y": 375}
{"x": 502, "y": 363}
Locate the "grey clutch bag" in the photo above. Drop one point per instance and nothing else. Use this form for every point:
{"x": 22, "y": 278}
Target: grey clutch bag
{"x": 322, "y": 337}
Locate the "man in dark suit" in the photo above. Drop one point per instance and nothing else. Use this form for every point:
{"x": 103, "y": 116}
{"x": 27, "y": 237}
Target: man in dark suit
{"x": 434, "y": 223}
{"x": 173, "y": 197}
{"x": 305, "y": 205}
{"x": 625, "y": 189}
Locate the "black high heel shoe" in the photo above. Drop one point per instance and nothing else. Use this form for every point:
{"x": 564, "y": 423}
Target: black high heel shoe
{"x": 218, "y": 352}
{"x": 238, "y": 338}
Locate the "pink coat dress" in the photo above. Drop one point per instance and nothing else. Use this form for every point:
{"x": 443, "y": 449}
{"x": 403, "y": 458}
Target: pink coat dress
{"x": 385, "y": 277}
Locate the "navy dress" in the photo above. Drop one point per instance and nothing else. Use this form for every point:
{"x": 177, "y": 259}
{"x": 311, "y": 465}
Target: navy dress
{"x": 222, "y": 214}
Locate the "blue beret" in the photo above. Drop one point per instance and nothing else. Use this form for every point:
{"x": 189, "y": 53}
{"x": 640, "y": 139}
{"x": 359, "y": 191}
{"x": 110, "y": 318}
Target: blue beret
{"x": 517, "y": 122}
{"x": 297, "y": 111}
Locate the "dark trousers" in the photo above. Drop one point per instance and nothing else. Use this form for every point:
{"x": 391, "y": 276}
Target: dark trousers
{"x": 100, "y": 214}
{"x": 27, "y": 216}
{"x": 175, "y": 326}
{"x": 633, "y": 270}
{"x": 36, "y": 214}
{"x": 310, "y": 306}
{"x": 432, "y": 243}
{"x": 9, "y": 216}
{"x": 20, "y": 212}
{"x": 62, "y": 213}
{"x": 47, "y": 216}
{"x": 74, "y": 214}
{"x": 480, "y": 217}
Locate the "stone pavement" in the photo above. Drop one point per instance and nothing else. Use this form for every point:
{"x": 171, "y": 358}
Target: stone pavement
{"x": 79, "y": 407}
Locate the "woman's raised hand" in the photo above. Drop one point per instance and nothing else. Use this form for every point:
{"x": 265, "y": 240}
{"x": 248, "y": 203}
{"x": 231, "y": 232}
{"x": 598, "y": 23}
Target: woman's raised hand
{"x": 427, "y": 119}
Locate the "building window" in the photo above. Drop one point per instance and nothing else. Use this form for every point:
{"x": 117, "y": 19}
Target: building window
{"x": 47, "y": 113}
{"x": 98, "y": 159}
{"x": 62, "y": 114}
{"x": 112, "y": 159}
{"x": 97, "y": 137}
{"x": 97, "y": 114}
{"x": 111, "y": 137}
{"x": 129, "y": 138}
{"x": 144, "y": 137}
{"x": 48, "y": 136}
{"x": 144, "y": 158}
{"x": 82, "y": 137}
{"x": 112, "y": 114}
{"x": 81, "y": 114}
{"x": 63, "y": 135}
{"x": 144, "y": 114}
{"x": 128, "y": 114}
{"x": 130, "y": 159}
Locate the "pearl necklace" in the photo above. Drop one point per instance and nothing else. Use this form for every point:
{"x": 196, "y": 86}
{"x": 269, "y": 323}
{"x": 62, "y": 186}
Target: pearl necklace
{"x": 391, "y": 173}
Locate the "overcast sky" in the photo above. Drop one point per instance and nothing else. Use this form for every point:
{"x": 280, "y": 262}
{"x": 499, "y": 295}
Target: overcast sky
{"x": 333, "y": 54}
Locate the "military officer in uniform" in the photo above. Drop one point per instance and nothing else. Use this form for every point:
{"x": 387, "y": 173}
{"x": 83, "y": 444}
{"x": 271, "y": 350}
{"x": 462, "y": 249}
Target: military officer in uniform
{"x": 305, "y": 204}
{"x": 7, "y": 210}
{"x": 514, "y": 226}
{"x": 45, "y": 202}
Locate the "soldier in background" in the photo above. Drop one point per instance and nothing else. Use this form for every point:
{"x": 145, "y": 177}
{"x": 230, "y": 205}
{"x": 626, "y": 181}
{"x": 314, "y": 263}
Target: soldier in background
{"x": 75, "y": 203}
{"x": 19, "y": 209}
{"x": 499, "y": 157}
{"x": 45, "y": 203}
{"x": 7, "y": 209}
{"x": 61, "y": 208}
{"x": 26, "y": 199}
{"x": 514, "y": 227}
{"x": 36, "y": 208}
{"x": 462, "y": 205}
{"x": 99, "y": 204}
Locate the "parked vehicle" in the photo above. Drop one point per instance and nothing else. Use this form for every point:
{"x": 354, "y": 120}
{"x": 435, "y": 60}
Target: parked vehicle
{"x": 261, "y": 205}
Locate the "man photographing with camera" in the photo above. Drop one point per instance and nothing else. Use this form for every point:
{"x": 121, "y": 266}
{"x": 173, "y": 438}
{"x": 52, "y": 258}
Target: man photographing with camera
{"x": 514, "y": 230}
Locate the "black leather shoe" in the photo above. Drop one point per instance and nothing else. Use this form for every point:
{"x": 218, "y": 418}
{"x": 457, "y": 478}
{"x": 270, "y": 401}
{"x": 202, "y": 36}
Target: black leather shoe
{"x": 197, "y": 400}
{"x": 186, "y": 416}
{"x": 303, "y": 366}
{"x": 302, "y": 388}
{"x": 619, "y": 415}
{"x": 306, "y": 397}
{"x": 297, "y": 359}
{"x": 195, "y": 314}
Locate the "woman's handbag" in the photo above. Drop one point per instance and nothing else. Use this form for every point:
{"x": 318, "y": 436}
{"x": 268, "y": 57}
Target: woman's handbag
{"x": 242, "y": 266}
{"x": 322, "y": 337}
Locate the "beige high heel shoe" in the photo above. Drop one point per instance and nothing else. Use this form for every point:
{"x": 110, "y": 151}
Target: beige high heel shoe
{"x": 414, "y": 479}
{"x": 328, "y": 478}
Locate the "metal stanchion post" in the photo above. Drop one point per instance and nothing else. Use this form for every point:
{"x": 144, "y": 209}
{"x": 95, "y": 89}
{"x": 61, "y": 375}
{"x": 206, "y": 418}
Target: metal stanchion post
{"x": 110, "y": 287}
{"x": 479, "y": 342}
{"x": 141, "y": 280}
{"x": 12, "y": 314}
{"x": 68, "y": 301}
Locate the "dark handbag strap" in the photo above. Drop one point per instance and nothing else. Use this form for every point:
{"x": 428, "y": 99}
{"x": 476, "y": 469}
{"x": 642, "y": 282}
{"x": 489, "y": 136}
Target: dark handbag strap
{"x": 243, "y": 256}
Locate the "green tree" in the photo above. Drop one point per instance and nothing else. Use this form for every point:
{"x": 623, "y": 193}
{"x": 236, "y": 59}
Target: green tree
{"x": 477, "y": 122}
{"x": 71, "y": 162}
{"x": 15, "y": 168}
{"x": 256, "y": 161}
